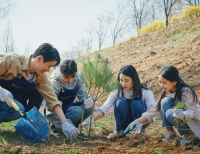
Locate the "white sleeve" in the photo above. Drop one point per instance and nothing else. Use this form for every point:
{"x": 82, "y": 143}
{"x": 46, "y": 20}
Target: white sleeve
{"x": 109, "y": 104}
{"x": 187, "y": 98}
{"x": 149, "y": 99}
{"x": 81, "y": 92}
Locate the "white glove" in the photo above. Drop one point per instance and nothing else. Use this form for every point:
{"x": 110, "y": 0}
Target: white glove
{"x": 188, "y": 115}
{"x": 86, "y": 123}
{"x": 88, "y": 102}
{"x": 178, "y": 113}
{"x": 131, "y": 125}
{"x": 5, "y": 96}
{"x": 69, "y": 130}
{"x": 137, "y": 129}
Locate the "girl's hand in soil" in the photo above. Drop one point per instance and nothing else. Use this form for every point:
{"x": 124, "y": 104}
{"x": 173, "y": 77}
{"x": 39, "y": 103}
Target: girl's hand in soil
{"x": 178, "y": 113}
{"x": 130, "y": 126}
{"x": 86, "y": 123}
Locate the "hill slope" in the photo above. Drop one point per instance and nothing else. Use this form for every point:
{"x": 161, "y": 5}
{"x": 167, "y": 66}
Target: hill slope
{"x": 178, "y": 46}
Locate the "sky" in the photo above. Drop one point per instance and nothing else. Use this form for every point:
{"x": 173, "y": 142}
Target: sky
{"x": 58, "y": 22}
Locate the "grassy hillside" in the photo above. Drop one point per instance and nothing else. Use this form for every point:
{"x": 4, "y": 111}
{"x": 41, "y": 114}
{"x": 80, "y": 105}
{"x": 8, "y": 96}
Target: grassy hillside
{"x": 178, "y": 46}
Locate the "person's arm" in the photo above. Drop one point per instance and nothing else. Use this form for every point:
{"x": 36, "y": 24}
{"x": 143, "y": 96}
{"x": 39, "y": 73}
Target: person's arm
{"x": 149, "y": 99}
{"x": 187, "y": 113}
{"x": 103, "y": 110}
{"x": 8, "y": 65}
{"x": 47, "y": 92}
{"x": 59, "y": 113}
{"x": 142, "y": 119}
{"x": 81, "y": 92}
{"x": 109, "y": 104}
{"x": 98, "y": 115}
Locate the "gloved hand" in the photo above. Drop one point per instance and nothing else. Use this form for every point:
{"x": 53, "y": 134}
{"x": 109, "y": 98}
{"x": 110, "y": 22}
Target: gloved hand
{"x": 88, "y": 102}
{"x": 69, "y": 130}
{"x": 130, "y": 126}
{"x": 188, "y": 114}
{"x": 137, "y": 129}
{"x": 86, "y": 123}
{"x": 178, "y": 113}
{"x": 5, "y": 96}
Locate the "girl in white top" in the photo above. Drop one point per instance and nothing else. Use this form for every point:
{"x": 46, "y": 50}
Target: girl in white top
{"x": 128, "y": 103}
{"x": 174, "y": 90}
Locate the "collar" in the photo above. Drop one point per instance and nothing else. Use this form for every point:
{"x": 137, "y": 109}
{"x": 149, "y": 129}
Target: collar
{"x": 25, "y": 63}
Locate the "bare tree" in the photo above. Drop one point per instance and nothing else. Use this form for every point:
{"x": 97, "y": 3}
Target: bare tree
{"x": 7, "y": 42}
{"x": 168, "y": 4}
{"x": 139, "y": 12}
{"x": 5, "y": 6}
{"x": 117, "y": 22}
{"x": 78, "y": 49}
{"x": 101, "y": 29}
{"x": 88, "y": 36}
{"x": 192, "y": 2}
{"x": 28, "y": 50}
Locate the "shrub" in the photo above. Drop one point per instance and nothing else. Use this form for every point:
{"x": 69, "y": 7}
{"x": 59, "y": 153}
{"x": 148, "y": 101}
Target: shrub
{"x": 155, "y": 26}
{"x": 189, "y": 12}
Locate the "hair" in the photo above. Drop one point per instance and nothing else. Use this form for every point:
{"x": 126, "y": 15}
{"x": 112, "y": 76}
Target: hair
{"x": 130, "y": 71}
{"x": 68, "y": 68}
{"x": 171, "y": 73}
{"x": 48, "y": 52}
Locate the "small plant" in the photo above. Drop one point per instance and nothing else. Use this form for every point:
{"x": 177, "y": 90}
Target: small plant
{"x": 180, "y": 105}
{"x": 99, "y": 79}
{"x": 156, "y": 151}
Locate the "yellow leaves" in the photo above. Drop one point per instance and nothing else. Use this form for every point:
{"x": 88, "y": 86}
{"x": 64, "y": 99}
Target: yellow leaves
{"x": 188, "y": 13}
{"x": 155, "y": 26}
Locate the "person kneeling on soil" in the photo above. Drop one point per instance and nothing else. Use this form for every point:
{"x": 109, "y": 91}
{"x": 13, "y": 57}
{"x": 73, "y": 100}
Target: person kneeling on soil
{"x": 175, "y": 91}
{"x": 128, "y": 103}
{"x": 24, "y": 79}
{"x": 67, "y": 84}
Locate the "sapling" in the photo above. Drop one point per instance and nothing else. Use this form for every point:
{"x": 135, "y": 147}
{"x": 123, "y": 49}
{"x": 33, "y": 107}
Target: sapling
{"x": 180, "y": 105}
{"x": 99, "y": 79}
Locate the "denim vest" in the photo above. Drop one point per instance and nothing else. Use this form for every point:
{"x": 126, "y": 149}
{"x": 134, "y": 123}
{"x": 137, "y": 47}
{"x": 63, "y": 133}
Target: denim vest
{"x": 20, "y": 88}
{"x": 68, "y": 98}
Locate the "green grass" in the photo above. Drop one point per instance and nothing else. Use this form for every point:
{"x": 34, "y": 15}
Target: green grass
{"x": 156, "y": 151}
{"x": 178, "y": 37}
{"x": 108, "y": 50}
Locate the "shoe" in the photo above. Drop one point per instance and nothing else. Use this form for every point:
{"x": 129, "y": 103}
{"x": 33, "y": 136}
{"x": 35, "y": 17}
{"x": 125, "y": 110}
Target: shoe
{"x": 169, "y": 137}
{"x": 115, "y": 134}
{"x": 187, "y": 139}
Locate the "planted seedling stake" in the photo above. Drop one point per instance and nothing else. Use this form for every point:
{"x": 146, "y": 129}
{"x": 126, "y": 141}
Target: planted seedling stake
{"x": 99, "y": 79}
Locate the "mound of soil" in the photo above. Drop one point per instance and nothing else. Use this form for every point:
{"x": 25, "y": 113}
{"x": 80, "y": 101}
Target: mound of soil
{"x": 148, "y": 144}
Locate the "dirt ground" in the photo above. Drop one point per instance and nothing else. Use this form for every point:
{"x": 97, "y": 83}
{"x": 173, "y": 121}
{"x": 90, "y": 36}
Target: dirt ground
{"x": 98, "y": 143}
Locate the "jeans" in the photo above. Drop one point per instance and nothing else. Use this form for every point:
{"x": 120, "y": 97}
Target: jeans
{"x": 74, "y": 113}
{"x": 8, "y": 114}
{"x": 169, "y": 120}
{"x": 125, "y": 113}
